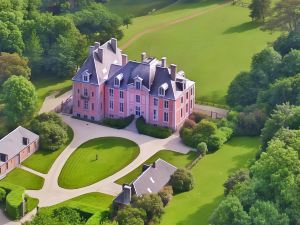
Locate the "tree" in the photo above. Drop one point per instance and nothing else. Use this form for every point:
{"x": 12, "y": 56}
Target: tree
{"x": 238, "y": 176}
{"x": 286, "y": 42}
{"x": 290, "y": 63}
{"x": 285, "y": 16}
{"x": 265, "y": 213}
{"x": 290, "y": 138}
{"x": 10, "y": 38}
{"x": 230, "y": 212}
{"x": 52, "y": 136}
{"x": 259, "y": 9}
{"x": 166, "y": 194}
{"x": 19, "y": 99}
{"x": 13, "y": 64}
{"x": 181, "y": 181}
{"x": 131, "y": 216}
{"x": 33, "y": 49}
{"x": 127, "y": 21}
{"x": 206, "y": 128}
{"x": 202, "y": 148}
{"x": 151, "y": 204}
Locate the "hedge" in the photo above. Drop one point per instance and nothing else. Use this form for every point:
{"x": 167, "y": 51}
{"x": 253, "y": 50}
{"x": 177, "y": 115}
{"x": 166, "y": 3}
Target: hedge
{"x": 118, "y": 123}
{"x": 14, "y": 200}
{"x": 151, "y": 130}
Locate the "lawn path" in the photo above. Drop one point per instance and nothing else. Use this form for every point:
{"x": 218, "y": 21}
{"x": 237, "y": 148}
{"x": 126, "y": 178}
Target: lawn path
{"x": 170, "y": 23}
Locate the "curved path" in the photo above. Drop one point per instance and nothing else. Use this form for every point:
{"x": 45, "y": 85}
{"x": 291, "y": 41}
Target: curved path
{"x": 52, "y": 194}
{"x": 170, "y": 23}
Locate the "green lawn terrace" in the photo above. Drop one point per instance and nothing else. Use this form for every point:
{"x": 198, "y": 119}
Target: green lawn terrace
{"x": 95, "y": 160}
{"x": 210, "y": 40}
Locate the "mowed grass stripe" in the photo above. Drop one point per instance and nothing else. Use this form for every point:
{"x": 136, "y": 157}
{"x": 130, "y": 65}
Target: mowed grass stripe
{"x": 82, "y": 168}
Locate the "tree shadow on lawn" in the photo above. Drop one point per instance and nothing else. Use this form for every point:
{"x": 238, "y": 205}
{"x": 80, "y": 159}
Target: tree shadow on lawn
{"x": 201, "y": 216}
{"x": 251, "y": 25}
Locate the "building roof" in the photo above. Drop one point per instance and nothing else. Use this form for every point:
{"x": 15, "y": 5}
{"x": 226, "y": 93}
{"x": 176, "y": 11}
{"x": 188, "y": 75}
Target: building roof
{"x": 99, "y": 63}
{"x": 12, "y": 143}
{"x": 154, "y": 178}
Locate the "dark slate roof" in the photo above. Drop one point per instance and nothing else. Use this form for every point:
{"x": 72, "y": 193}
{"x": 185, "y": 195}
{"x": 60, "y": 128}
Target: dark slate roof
{"x": 125, "y": 196}
{"x": 154, "y": 178}
{"x": 99, "y": 70}
{"x": 12, "y": 143}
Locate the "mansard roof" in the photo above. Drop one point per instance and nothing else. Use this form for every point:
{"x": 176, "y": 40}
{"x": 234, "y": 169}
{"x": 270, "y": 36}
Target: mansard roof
{"x": 100, "y": 61}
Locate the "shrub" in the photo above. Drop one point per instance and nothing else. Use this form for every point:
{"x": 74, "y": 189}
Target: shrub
{"x": 131, "y": 216}
{"x": 2, "y": 195}
{"x": 238, "y": 176}
{"x": 205, "y": 128}
{"x": 181, "y": 181}
{"x": 52, "y": 136}
{"x": 187, "y": 134}
{"x": 151, "y": 130}
{"x": 118, "y": 123}
{"x": 197, "y": 116}
{"x": 189, "y": 123}
{"x": 202, "y": 148}
{"x": 166, "y": 194}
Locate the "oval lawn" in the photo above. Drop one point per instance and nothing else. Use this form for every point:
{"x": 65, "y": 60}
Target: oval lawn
{"x": 95, "y": 160}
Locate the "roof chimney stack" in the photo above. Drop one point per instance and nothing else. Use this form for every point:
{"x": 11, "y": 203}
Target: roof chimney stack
{"x": 143, "y": 56}
{"x": 127, "y": 192}
{"x": 164, "y": 62}
{"x": 124, "y": 59}
{"x": 173, "y": 71}
{"x": 114, "y": 44}
{"x": 100, "y": 54}
{"x": 97, "y": 45}
{"x": 91, "y": 49}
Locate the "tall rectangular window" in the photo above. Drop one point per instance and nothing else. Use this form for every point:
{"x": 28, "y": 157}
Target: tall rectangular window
{"x": 155, "y": 102}
{"x": 166, "y": 117}
{"x": 85, "y": 92}
{"x": 138, "y": 85}
{"x": 181, "y": 113}
{"x": 137, "y": 111}
{"x": 86, "y": 104}
{"x": 181, "y": 100}
{"x": 155, "y": 114}
{"x": 92, "y": 106}
{"x": 166, "y": 104}
{"x": 187, "y": 107}
{"x": 138, "y": 98}
{"x": 111, "y": 104}
{"x": 121, "y": 94}
{"x": 92, "y": 94}
{"x": 187, "y": 95}
{"x": 121, "y": 107}
{"x": 191, "y": 103}
{"x": 111, "y": 92}
{"x": 78, "y": 103}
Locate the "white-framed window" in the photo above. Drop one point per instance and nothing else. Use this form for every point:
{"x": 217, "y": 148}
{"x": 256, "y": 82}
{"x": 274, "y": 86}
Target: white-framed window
{"x": 187, "y": 107}
{"x": 111, "y": 92}
{"x": 192, "y": 91}
{"x": 121, "y": 107}
{"x": 161, "y": 91}
{"x": 138, "y": 98}
{"x": 181, "y": 113}
{"x": 181, "y": 99}
{"x": 138, "y": 85}
{"x": 93, "y": 107}
{"x": 187, "y": 95}
{"x": 111, "y": 104}
{"x": 155, "y": 101}
{"x": 137, "y": 111}
{"x": 166, "y": 104}
{"x": 86, "y": 78}
{"x": 155, "y": 114}
{"x": 166, "y": 117}
{"x": 78, "y": 103}
{"x": 191, "y": 103}
{"x": 85, "y": 92}
{"x": 117, "y": 82}
{"x": 86, "y": 104}
{"x": 121, "y": 95}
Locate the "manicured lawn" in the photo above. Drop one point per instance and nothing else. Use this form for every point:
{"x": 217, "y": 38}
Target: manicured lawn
{"x": 136, "y": 7}
{"x": 83, "y": 169}
{"x": 91, "y": 203}
{"x": 196, "y": 206}
{"x": 48, "y": 85}
{"x": 25, "y": 179}
{"x": 42, "y": 160}
{"x": 31, "y": 203}
{"x": 211, "y": 48}
{"x": 177, "y": 159}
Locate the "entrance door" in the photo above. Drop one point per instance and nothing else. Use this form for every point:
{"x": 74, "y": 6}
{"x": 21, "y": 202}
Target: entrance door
{"x": 137, "y": 111}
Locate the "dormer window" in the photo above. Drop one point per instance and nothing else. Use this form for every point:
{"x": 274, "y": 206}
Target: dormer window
{"x": 138, "y": 83}
{"x": 162, "y": 89}
{"x": 117, "y": 80}
{"x": 86, "y": 76}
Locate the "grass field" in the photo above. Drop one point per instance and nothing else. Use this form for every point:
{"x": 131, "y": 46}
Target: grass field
{"x": 90, "y": 203}
{"x": 83, "y": 169}
{"x": 212, "y": 47}
{"x": 195, "y": 207}
{"x": 177, "y": 159}
{"x": 25, "y": 179}
{"x": 42, "y": 160}
{"x": 136, "y": 7}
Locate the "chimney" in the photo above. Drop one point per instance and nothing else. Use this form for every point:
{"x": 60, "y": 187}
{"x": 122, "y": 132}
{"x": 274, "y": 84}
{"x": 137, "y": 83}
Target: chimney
{"x": 25, "y": 141}
{"x": 164, "y": 62}
{"x": 143, "y": 56}
{"x": 154, "y": 165}
{"x": 173, "y": 71}
{"x": 124, "y": 59}
{"x": 145, "y": 166}
{"x": 127, "y": 192}
{"x": 97, "y": 45}
{"x": 100, "y": 54}
{"x": 91, "y": 49}
{"x": 114, "y": 44}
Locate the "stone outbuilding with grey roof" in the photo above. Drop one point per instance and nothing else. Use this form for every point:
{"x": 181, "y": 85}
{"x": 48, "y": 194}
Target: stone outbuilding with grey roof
{"x": 110, "y": 85}
{"x": 152, "y": 180}
{"x": 15, "y": 147}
